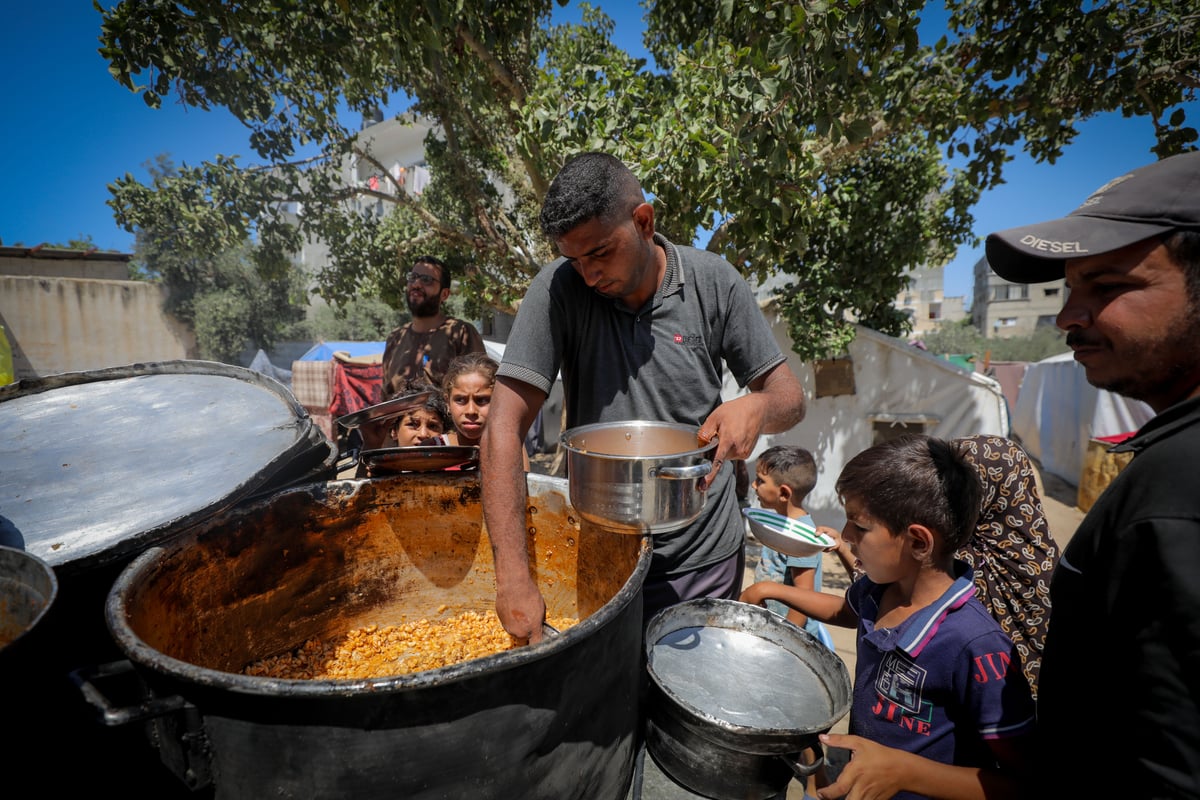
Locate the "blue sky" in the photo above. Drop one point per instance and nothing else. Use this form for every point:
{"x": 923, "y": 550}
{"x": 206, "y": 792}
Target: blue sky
{"x": 69, "y": 130}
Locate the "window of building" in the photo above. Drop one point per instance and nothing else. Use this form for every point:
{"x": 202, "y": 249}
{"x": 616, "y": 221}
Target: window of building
{"x": 1010, "y": 291}
{"x": 1006, "y": 322}
{"x": 885, "y": 427}
{"x": 935, "y": 310}
{"x": 1053, "y": 292}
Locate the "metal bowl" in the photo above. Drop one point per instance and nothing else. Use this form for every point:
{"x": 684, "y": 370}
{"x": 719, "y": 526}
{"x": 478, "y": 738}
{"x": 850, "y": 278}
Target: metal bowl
{"x": 28, "y": 587}
{"x": 785, "y": 535}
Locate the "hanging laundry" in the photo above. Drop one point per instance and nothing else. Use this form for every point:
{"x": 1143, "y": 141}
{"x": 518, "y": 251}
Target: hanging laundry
{"x": 420, "y": 179}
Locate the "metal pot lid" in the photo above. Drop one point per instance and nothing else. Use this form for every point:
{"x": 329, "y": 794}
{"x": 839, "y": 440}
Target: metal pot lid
{"x": 99, "y": 465}
{"x": 421, "y": 458}
{"x": 386, "y": 410}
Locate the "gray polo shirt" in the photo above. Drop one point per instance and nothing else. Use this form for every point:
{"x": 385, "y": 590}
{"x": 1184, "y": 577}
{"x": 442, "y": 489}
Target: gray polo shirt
{"x": 662, "y": 362}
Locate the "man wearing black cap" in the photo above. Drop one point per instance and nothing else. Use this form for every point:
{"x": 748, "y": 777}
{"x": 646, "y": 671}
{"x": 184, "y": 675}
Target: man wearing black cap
{"x": 1120, "y": 679}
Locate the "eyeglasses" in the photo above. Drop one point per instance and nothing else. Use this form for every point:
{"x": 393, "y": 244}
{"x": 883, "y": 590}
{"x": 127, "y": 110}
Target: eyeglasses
{"x": 426, "y": 280}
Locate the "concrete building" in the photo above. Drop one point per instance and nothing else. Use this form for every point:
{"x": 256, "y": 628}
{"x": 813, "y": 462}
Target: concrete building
{"x": 394, "y": 165}
{"x": 1001, "y": 309}
{"x": 925, "y": 302}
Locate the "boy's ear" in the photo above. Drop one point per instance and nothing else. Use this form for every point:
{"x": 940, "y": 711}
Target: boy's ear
{"x": 785, "y": 493}
{"x": 922, "y": 543}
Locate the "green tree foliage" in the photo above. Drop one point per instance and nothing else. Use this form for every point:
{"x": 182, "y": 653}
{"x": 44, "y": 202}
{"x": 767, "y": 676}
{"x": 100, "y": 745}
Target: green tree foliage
{"x": 808, "y": 138}
{"x": 235, "y": 296}
{"x": 965, "y": 339}
{"x": 362, "y": 319}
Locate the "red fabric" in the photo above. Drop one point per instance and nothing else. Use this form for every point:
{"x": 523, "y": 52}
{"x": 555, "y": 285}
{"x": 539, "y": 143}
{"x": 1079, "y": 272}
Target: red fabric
{"x": 1116, "y": 438}
{"x": 355, "y": 386}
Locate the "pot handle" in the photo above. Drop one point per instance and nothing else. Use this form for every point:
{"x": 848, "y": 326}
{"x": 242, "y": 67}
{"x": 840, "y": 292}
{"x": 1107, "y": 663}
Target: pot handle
{"x": 681, "y": 473}
{"x": 111, "y": 714}
{"x": 347, "y": 460}
{"x": 802, "y": 771}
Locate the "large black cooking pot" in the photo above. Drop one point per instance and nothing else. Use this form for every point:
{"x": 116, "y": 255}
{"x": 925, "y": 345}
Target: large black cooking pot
{"x": 736, "y": 694}
{"x": 96, "y": 466}
{"x": 554, "y": 720}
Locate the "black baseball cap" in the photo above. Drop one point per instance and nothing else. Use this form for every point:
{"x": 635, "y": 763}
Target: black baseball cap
{"x": 1152, "y": 200}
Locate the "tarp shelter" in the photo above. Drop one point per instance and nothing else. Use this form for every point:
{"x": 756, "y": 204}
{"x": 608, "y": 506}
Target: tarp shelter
{"x": 1058, "y": 413}
{"x": 882, "y": 387}
{"x": 262, "y": 363}
{"x": 337, "y": 378}
{"x": 324, "y": 350}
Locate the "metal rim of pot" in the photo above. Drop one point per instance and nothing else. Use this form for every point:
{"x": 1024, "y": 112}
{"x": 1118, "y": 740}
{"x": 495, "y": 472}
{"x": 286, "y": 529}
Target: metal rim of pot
{"x": 715, "y": 608}
{"x": 27, "y": 570}
{"x": 655, "y": 492}
{"x": 138, "y": 651}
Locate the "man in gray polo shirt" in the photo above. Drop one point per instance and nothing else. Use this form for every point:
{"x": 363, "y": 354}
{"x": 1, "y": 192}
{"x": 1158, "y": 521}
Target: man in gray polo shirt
{"x": 641, "y": 329}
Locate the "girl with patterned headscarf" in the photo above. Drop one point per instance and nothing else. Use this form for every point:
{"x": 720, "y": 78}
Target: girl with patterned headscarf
{"x": 1011, "y": 550}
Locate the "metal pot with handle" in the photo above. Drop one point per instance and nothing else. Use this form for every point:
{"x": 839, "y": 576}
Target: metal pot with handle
{"x": 736, "y": 694}
{"x": 637, "y": 476}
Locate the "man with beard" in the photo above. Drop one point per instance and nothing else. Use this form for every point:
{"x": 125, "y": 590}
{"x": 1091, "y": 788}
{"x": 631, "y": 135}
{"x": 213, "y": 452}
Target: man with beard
{"x": 419, "y": 351}
{"x": 1120, "y": 676}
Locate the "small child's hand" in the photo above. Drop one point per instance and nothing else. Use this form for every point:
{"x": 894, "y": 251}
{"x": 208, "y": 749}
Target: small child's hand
{"x": 755, "y": 594}
{"x": 832, "y": 534}
{"x": 874, "y": 771}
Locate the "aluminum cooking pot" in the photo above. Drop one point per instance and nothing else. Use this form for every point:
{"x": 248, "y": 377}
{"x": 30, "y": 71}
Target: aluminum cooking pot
{"x": 637, "y": 476}
{"x": 28, "y": 587}
{"x": 736, "y": 694}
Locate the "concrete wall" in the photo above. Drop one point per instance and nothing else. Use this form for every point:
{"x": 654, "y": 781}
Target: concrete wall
{"x": 64, "y": 324}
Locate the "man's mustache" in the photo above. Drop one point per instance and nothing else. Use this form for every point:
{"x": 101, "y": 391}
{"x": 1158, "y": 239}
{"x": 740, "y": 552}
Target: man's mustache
{"x": 1078, "y": 339}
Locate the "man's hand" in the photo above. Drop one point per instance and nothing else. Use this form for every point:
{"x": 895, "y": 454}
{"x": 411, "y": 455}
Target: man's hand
{"x": 521, "y": 610}
{"x": 775, "y": 404}
{"x": 519, "y": 604}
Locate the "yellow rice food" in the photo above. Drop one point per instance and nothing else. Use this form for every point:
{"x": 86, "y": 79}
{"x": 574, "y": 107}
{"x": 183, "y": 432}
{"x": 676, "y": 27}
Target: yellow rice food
{"x": 377, "y": 652}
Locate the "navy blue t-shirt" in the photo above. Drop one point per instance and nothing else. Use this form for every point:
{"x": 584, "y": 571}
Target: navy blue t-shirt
{"x": 942, "y": 682}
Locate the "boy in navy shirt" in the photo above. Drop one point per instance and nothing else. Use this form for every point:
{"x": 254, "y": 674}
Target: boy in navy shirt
{"x": 941, "y": 706}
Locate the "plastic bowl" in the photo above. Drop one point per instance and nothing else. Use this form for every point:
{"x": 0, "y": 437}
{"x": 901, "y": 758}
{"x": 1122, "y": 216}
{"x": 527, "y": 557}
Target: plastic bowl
{"x": 785, "y": 535}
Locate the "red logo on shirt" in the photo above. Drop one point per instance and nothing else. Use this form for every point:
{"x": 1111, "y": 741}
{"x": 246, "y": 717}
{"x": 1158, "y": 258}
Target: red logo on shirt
{"x": 679, "y": 338}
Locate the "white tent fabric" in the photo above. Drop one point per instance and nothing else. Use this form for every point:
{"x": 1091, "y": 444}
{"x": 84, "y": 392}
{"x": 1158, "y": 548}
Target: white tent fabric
{"x": 894, "y": 383}
{"x": 1058, "y": 413}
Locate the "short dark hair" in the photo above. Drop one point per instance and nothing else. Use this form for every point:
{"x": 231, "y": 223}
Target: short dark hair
{"x": 916, "y": 479}
{"x": 441, "y": 265}
{"x": 1183, "y": 246}
{"x": 790, "y": 466}
{"x": 589, "y": 186}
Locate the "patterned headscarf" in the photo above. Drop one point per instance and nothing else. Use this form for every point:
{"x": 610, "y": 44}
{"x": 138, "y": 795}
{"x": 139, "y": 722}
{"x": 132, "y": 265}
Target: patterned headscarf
{"x": 1011, "y": 550}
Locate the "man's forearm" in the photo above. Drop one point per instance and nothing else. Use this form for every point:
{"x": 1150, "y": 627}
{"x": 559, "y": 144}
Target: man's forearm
{"x": 504, "y": 499}
{"x": 783, "y": 394}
